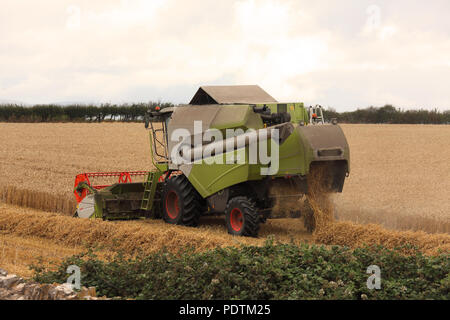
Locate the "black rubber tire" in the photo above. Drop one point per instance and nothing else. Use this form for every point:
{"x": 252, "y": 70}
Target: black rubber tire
{"x": 250, "y": 219}
{"x": 188, "y": 200}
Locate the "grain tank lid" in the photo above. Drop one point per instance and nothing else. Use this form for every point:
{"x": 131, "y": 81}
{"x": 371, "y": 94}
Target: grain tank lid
{"x": 231, "y": 95}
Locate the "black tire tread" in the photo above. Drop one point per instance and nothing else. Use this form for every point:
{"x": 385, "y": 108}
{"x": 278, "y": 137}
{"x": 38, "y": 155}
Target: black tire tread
{"x": 251, "y": 216}
{"x": 190, "y": 199}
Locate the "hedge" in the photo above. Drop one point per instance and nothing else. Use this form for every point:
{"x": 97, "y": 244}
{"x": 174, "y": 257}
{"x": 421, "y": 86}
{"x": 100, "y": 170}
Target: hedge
{"x": 272, "y": 271}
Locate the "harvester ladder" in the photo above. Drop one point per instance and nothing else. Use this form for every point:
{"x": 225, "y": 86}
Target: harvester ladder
{"x": 150, "y": 190}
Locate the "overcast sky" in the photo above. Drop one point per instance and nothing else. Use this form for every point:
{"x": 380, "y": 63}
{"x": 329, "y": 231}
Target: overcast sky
{"x": 343, "y": 54}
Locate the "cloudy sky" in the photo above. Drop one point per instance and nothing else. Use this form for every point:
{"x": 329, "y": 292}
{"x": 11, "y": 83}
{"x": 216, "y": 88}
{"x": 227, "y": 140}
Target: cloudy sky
{"x": 343, "y": 54}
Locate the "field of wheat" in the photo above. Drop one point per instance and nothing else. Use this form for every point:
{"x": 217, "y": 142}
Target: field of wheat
{"x": 399, "y": 180}
{"x": 400, "y": 177}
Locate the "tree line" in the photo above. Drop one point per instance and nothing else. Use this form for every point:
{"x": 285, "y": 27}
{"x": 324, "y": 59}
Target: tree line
{"x": 136, "y": 112}
{"x": 77, "y": 113}
{"x": 390, "y": 114}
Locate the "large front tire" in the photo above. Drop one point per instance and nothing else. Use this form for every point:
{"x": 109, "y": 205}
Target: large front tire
{"x": 242, "y": 217}
{"x": 181, "y": 202}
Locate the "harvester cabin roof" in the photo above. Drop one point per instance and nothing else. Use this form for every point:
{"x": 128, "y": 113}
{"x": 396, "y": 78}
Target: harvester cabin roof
{"x": 231, "y": 95}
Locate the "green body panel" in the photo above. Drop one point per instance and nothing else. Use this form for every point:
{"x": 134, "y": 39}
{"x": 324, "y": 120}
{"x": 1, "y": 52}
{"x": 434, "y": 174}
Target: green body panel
{"x": 249, "y": 120}
{"x": 296, "y": 110}
{"x": 208, "y": 179}
{"x": 162, "y": 167}
{"x": 296, "y": 154}
{"x": 213, "y": 117}
{"x": 236, "y": 116}
{"x": 98, "y": 213}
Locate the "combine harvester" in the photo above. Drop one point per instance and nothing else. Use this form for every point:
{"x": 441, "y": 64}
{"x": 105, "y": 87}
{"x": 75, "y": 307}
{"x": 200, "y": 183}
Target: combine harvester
{"x": 200, "y": 170}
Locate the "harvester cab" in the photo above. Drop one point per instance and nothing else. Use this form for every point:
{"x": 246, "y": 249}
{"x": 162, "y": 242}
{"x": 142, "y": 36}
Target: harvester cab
{"x": 157, "y": 121}
{"x": 223, "y": 154}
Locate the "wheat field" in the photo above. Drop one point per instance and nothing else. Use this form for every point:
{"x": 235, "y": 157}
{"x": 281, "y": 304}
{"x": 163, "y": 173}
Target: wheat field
{"x": 400, "y": 177}
{"x": 399, "y": 180}
{"x": 400, "y": 174}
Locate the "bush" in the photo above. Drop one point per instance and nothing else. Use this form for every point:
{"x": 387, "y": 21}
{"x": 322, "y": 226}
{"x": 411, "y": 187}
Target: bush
{"x": 281, "y": 271}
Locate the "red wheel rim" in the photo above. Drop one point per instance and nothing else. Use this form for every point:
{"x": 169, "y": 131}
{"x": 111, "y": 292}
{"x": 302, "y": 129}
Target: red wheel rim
{"x": 236, "y": 219}
{"x": 172, "y": 205}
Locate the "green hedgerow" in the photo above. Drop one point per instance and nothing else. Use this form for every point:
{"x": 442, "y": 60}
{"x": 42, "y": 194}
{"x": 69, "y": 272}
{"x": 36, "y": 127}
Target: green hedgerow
{"x": 273, "y": 271}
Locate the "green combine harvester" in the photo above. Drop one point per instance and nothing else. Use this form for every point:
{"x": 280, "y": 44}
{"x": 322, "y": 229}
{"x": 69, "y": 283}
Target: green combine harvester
{"x": 221, "y": 154}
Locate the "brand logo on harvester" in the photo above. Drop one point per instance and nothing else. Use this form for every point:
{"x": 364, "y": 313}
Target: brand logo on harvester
{"x": 211, "y": 147}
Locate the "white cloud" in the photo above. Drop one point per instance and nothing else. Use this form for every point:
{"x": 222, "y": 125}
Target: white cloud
{"x": 129, "y": 13}
{"x": 343, "y": 55}
{"x": 387, "y": 32}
